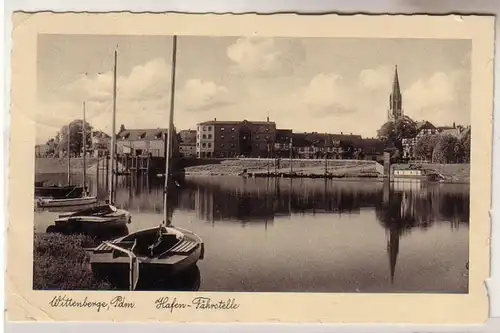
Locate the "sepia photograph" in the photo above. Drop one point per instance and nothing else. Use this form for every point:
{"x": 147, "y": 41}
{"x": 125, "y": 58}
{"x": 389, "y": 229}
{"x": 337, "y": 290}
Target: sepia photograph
{"x": 275, "y": 180}
{"x": 261, "y": 164}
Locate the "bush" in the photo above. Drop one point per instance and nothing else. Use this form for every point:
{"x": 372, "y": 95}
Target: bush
{"x": 61, "y": 263}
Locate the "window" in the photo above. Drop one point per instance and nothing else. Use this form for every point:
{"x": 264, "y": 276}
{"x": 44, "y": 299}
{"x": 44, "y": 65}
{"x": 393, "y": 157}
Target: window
{"x": 222, "y": 129}
{"x": 232, "y": 129}
{"x": 204, "y": 128}
{"x": 233, "y": 137}
{"x": 267, "y": 129}
{"x": 232, "y": 145}
{"x": 222, "y": 145}
{"x": 203, "y": 145}
{"x": 257, "y": 137}
{"x": 204, "y": 136}
{"x": 197, "y": 144}
{"x": 210, "y": 136}
{"x": 209, "y": 145}
{"x": 267, "y": 137}
{"x": 222, "y": 137}
{"x": 209, "y": 128}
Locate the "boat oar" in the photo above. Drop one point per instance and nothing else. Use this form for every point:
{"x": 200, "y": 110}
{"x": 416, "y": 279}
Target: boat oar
{"x": 134, "y": 265}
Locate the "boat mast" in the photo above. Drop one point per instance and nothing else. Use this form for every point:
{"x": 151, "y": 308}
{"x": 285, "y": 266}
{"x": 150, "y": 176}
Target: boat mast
{"x": 113, "y": 138}
{"x": 168, "y": 151}
{"x": 69, "y": 155}
{"x": 84, "y": 143}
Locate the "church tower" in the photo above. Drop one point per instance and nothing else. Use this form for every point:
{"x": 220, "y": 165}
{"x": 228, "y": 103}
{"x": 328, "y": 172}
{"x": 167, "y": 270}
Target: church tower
{"x": 395, "y": 100}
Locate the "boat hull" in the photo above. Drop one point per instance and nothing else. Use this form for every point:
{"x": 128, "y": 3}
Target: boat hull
{"x": 59, "y": 192}
{"x": 154, "y": 274}
{"x": 52, "y": 202}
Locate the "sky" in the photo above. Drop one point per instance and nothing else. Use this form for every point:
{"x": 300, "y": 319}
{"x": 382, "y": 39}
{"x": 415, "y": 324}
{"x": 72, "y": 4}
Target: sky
{"x": 306, "y": 84}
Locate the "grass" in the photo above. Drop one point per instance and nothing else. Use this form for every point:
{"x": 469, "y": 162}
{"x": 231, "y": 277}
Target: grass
{"x": 61, "y": 263}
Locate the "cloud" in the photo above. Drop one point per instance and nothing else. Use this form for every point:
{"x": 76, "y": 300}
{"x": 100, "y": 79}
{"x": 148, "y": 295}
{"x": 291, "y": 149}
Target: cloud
{"x": 265, "y": 56}
{"x": 200, "y": 95}
{"x": 378, "y": 78}
{"x": 434, "y": 97}
{"x": 143, "y": 99}
{"x": 327, "y": 94}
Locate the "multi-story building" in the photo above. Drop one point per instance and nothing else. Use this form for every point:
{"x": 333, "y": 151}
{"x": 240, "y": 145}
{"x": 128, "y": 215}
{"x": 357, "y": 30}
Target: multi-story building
{"x": 145, "y": 142}
{"x": 219, "y": 139}
{"x": 187, "y": 143}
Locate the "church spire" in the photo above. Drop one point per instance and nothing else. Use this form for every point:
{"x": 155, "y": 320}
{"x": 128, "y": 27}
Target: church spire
{"x": 395, "y": 85}
{"x": 395, "y": 100}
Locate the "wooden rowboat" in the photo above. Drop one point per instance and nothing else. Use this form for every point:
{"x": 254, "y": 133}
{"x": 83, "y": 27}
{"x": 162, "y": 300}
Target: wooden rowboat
{"x": 90, "y": 219}
{"x": 150, "y": 254}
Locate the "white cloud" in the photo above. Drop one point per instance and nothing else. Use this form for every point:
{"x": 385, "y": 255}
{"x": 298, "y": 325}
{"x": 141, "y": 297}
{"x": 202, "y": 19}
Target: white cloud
{"x": 378, "y": 78}
{"x": 200, "y": 95}
{"x": 433, "y": 98}
{"x": 261, "y": 56}
{"x": 327, "y": 93}
{"x": 143, "y": 99}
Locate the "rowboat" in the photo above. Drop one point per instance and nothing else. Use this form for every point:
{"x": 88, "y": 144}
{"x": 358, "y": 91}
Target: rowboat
{"x": 99, "y": 217}
{"x": 62, "y": 202}
{"x": 146, "y": 255}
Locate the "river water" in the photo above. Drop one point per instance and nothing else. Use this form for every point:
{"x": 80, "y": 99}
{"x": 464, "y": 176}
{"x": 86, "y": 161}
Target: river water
{"x": 307, "y": 235}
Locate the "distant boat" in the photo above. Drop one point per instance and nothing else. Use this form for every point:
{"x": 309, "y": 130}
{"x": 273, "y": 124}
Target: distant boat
{"x": 99, "y": 217}
{"x": 156, "y": 253}
{"x": 62, "y": 202}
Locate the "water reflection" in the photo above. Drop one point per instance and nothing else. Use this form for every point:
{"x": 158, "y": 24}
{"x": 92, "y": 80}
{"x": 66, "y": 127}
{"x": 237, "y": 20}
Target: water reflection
{"x": 343, "y": 235}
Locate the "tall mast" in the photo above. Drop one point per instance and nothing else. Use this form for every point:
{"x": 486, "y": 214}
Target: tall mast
{"x": 69, "y": 157}
{"x": 84, "y": 143}
{"x": 113, "y": 138}
{"x": 168, "y": 151}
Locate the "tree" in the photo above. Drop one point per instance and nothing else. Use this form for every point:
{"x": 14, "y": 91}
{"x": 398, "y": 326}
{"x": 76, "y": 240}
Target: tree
{"x": 424, "y": 147}
{"x": 396, "y": 131}
{"x": 465, "y": 142}
{"x": 445, "y": 149}
{"x": 76, "y": 137}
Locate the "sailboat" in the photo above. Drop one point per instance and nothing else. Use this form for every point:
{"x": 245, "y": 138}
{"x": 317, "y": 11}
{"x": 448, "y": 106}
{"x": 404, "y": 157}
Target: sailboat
{"x": 153, "y": 253}
{"x": 78, "y": 196}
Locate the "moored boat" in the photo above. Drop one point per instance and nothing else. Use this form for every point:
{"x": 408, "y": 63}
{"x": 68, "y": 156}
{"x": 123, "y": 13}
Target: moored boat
{"x": 62, "y": 202}
{"x": 59, "y": 192}
{"x": 99, "y": 217}
{"x": 153, "y": 253}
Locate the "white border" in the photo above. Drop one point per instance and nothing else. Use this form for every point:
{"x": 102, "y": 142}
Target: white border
{"x": 260, "y": 6}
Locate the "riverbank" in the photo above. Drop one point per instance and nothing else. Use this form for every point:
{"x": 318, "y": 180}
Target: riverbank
{"x": 287, "y": 168}
{"x": 61, "y": 263}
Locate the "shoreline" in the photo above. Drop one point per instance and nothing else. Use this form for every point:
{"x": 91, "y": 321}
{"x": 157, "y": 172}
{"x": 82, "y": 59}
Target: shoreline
{"x": 365, "y": 178}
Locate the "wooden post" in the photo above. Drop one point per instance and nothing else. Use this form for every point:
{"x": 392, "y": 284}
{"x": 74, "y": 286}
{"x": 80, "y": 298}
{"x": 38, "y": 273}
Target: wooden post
{"x": 291, "y": 153}
{"x": 84, "y": 143}
{"x": 107, "y": 172}
{"x": 69, "y": 154}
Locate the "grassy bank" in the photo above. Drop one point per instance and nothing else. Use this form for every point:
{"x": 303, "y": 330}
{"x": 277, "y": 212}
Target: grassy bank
{"x": 453, "y": 173}
{"x": 61, "y": 263}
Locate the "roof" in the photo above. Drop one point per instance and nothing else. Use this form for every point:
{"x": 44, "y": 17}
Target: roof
{"x": 425, "y": 125}
{"x": 142, "y": 134}
{"x": 238, "y": 122}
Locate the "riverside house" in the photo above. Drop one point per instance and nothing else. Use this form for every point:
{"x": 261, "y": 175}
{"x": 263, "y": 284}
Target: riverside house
{"x": 143, "y": 142}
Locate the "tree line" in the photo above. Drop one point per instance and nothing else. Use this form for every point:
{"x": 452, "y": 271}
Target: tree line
{"x": 435, "y": 148}
{"x": 59, "y": 143}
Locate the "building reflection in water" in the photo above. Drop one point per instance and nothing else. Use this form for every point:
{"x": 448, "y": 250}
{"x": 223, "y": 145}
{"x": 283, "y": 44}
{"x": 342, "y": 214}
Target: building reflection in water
{"x": 400, "y": 207}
